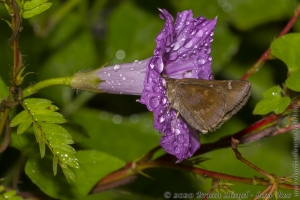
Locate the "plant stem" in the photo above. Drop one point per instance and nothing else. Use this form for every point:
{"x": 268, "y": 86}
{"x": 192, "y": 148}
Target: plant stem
{"x": 127, "y": 171}
{"x": 6, "y": 139}
{"x": 267, "y": 54}
{"x": 46, "y": 83}
{"x": 3, "y": 119}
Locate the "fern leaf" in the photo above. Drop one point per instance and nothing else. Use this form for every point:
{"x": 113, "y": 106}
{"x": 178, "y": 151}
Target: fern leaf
{"x": 35, "y": 7}
{"x": 41, "y": 114}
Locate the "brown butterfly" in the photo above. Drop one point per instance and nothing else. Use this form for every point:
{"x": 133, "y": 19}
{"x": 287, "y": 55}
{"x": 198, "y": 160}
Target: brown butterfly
{"x": 207, "y": 104}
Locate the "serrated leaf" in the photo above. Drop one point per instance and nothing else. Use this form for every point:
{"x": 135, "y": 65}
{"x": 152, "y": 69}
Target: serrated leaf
{"x": 28, "y": 5}
{"x": 22, "y": 117}
{"x": 272, "y": 102}
{"x": 293, "y": 81}
{"x": 36, "y": 10}
{"x": 23, "y": 126}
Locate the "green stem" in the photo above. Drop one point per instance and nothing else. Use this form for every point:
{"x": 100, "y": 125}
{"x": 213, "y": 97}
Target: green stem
{"x": 46, "y": 83}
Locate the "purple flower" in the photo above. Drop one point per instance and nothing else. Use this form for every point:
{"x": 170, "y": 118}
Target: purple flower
{"x": 182, "y": 51}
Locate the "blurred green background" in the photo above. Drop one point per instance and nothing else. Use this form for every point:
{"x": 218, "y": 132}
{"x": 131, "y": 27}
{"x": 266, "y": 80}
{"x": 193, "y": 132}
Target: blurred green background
{"x": 80, "y": 35}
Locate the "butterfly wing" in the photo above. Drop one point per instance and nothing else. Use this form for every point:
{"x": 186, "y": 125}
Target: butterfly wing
{"x": 206, "y": 104}
{"x": 201, "y": 106}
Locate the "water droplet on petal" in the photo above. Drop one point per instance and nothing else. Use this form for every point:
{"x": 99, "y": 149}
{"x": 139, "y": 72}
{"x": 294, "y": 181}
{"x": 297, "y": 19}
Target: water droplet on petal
{"x": 177, "y": 131}
{"x": 161, "y": 119}
{"x": 151, "y": 65}
{"x": 201, "y": 61}
{"x": 156, "y": 89}
{"x": 116, "y": 67}
{"x": 164, "y": 100}
{"x": 189, "y": 44}
{"x": 109, "y": 74}
{"x": 154, "y": 102}
{"x": 199, "y": 33}
{"x": 180, "y": 138}
{"x": 124, "y": 78}
{"x": 176, "y": 150}
{"x": 176, "y": 46}
{"x": 187, "y": 75}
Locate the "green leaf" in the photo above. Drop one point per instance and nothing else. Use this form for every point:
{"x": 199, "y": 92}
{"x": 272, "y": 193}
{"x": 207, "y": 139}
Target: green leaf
{"x": 94, "y": 165}
{"x": 9, "y": 194}
{"x": 272, "y": 92}
{"x": 56, "y": 133}
{"x": 28, "y": 5}
{"x": 41, "y": 113}
{"x": 272, "y": 102}
{"x": 293, "y": 81}
{"x": 22, "y": 117}
{"x": 34, "y": 104}
{"x": 286, "y": 48}
{"x": 69, "y": 174}
{"x": 42, "y": 146}
{"x": 37, "y": 10}
{"x": 54, "y": 165}
{"x": 48, "y": 116}
{"x": 24, "y": 126}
